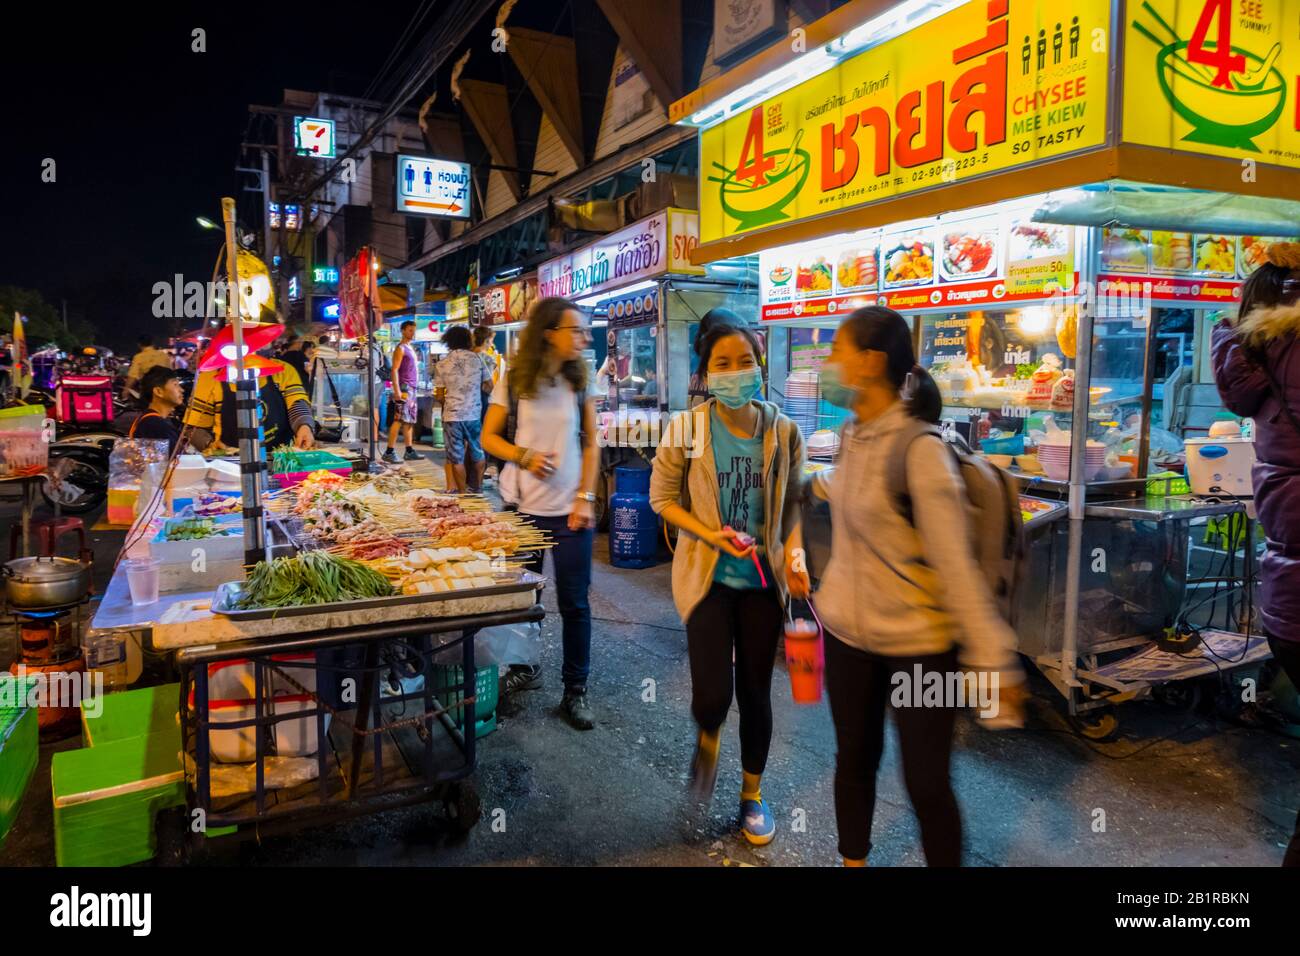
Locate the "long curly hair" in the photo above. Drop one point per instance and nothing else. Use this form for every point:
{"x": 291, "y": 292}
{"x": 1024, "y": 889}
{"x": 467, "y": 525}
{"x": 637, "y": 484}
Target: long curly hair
{"x": 526, "y": 367}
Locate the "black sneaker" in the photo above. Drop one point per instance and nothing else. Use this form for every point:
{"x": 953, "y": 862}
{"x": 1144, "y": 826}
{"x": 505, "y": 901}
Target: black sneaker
{"x": 523, "y": 677}
{"x": 412, "y": 455}
{"x": 390, "y": 456}
{"x": 576, "y": 711}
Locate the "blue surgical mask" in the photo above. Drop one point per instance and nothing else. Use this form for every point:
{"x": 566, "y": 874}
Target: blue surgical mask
{"x": 833, "y": 388}
{"x": 736, "y": 389}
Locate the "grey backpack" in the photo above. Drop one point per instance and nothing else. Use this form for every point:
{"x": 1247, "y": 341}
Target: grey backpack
{"x": 997, "y": 527}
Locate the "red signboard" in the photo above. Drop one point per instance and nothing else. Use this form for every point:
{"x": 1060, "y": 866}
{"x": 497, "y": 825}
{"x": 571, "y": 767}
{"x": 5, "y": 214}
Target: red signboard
{"x": 989, "y": 292}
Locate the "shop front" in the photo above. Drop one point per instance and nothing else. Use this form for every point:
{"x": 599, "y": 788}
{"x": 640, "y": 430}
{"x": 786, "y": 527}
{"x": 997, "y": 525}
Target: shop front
{"x": 503, "y": 307}
{"x": 1062, "y": 223}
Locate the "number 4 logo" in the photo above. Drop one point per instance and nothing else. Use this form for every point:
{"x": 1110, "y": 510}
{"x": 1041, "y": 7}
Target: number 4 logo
{"x": 1220, "y": 56}
{"x": 754, "y": 163}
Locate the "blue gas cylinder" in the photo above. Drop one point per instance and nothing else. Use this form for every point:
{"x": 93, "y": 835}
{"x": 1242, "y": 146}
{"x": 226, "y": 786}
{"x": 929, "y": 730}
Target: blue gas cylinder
{"x": 633, "y": 524}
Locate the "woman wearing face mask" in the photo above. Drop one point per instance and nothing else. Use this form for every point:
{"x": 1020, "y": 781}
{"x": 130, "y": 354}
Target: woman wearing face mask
{"x": 899, "y": 591}
{"x": 728, "y": 468}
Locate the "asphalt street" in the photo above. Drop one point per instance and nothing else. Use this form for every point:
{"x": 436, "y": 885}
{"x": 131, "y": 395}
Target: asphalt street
{"x": 1173, "y": 789}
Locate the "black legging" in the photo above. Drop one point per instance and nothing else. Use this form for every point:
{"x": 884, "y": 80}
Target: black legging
{"x": 749, "y": 620}
{"x": 858, "y": 684}
{"x": 1287, "y": 654}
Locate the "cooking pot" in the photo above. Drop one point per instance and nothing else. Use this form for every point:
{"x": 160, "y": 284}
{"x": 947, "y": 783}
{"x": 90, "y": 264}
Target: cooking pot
{"x": 35, "y": 583}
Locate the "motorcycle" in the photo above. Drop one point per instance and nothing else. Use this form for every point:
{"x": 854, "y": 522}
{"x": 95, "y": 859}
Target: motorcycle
{"x": 77, "y": 475}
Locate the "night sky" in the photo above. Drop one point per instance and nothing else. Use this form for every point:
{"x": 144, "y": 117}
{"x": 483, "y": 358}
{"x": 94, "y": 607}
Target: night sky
{"x": 146, "y": 133}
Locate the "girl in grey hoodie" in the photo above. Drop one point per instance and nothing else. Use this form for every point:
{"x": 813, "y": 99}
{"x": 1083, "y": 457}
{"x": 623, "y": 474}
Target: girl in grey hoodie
{"x": 900, "y": 596}
{"x": 732, "y": 466}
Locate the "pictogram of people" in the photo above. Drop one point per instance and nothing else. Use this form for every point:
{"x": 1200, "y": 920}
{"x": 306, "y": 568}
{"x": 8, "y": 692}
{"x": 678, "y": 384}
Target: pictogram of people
{"x": 1074, "y": 37}
{"x": 1024, "y": 57}
{"x": 1057, "y": 39}
{"x": 1042, "y": 48}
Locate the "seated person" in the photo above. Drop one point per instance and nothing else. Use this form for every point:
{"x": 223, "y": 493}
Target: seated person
{"x": 161, "y": 388}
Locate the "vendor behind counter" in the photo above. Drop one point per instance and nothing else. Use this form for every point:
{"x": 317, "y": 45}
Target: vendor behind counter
{"x": 285, "y": 412}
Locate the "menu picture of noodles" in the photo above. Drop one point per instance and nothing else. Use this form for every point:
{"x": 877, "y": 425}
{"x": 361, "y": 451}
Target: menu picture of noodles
{"x": 1124, "y": 250}
{"x": 855, "y": 268}
{"x": 1216, "y": 256}
{"x": 969, "y": 254}
{"x": 1171, "y": 252}
{"x": 1251, "y": 251}
{"x": 813, "y": 277}
{"x": 908, "y": 260}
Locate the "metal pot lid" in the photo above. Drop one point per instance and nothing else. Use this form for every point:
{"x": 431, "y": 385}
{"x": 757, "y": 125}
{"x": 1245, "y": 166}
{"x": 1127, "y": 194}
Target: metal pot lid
{"x": 45, "y": 570}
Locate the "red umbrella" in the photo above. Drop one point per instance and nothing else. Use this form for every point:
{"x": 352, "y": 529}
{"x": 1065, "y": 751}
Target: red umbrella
{"x": 221, "y": 351}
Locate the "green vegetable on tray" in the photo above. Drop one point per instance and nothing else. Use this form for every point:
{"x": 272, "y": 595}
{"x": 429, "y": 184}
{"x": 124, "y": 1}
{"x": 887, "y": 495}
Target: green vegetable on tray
{"x": 191, "y": 529}
{"x": 312, "y": 577}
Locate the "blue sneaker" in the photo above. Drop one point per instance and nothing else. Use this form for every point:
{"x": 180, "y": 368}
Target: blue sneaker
{"x": 757, "y": 822}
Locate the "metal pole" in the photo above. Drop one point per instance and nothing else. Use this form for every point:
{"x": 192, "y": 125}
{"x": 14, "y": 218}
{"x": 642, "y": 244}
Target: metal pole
{"x": 248, "y": 428}
{"x": 232, "y": 284}
{"x": 1078, "y": 487}
{"x": 372, "y": 345}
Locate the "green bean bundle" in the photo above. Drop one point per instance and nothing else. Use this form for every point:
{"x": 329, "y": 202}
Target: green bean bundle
{"x": 312, "y": 577}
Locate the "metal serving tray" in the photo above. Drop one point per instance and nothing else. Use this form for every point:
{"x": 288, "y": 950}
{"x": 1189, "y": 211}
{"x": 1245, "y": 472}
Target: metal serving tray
{"x": 227, "y": 596}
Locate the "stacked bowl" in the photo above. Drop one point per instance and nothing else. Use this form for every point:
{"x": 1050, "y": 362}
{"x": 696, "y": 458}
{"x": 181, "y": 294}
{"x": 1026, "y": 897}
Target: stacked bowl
{"x": 802, "y": 393}
{"x": 1055, "y": 459}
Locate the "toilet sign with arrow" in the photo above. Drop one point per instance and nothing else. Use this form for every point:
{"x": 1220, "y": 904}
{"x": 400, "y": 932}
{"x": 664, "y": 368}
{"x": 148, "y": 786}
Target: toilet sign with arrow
{"x": 432, "y": 187}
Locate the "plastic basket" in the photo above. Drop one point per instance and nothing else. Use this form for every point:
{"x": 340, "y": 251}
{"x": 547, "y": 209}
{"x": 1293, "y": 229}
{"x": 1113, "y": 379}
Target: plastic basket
{"x": 447, "y": 683}
{"x": 291, "y": 478}
{"x": 23, "y": 446}
{"x": 316, "y": 460}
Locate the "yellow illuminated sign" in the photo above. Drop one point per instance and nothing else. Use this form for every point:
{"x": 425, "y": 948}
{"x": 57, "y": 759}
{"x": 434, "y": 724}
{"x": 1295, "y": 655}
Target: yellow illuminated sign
{"x": 1220, "y": 77}
{"x": 986, "y": 87}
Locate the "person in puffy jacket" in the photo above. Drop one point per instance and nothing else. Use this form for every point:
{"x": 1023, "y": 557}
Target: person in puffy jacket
{"x": 1256, "y": 360}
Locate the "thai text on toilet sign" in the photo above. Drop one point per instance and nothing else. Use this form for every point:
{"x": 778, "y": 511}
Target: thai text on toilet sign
{"x": 432, "y": 187}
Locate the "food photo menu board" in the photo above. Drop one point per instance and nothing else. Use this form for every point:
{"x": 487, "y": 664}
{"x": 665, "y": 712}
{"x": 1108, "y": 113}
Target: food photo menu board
{"x": 970, "y": 259}
{"x": 1179, "y": 266}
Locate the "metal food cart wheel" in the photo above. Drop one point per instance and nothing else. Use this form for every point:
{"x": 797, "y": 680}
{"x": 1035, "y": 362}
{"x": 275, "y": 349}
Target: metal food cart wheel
{"x": 1101, "y": 724}
{"x": 1182, "y": 696}
{"x": 463, "y": 806}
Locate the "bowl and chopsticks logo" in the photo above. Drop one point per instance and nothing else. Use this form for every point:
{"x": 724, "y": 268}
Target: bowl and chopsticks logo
{"x": 1228, "y": 94}
{"x": 763, "y": 183}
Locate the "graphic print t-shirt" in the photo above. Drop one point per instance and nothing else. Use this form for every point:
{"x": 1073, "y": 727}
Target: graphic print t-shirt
{"x": 739, "y": 464}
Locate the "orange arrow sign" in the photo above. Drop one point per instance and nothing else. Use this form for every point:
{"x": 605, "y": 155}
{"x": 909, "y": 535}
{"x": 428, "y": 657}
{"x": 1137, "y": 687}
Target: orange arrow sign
{"x": 450, "y": 207}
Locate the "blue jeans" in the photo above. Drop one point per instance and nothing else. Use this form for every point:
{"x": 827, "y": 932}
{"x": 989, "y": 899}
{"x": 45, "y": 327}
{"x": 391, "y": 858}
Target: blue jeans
{"x": 463, "y": 442}
{"x": 571, "y": 557}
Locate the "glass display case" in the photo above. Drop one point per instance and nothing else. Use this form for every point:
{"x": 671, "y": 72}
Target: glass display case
{"x": 1008, "y": 382}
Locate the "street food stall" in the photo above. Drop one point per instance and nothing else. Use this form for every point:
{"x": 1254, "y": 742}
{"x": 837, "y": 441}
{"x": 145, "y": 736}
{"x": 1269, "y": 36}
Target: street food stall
{"x": 321, "y": 617}
{"x": 639, "y": 286}
{"x": 1062, "y": 219}
{"x": 338, "y": 674}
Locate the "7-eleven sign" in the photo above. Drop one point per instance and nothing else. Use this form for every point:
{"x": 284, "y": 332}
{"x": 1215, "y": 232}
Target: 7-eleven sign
{"x": 313, "y": 137}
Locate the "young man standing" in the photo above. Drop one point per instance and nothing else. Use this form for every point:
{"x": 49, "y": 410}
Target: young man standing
{"x": 148, "y": 357}
{"x": 405, "y": 376}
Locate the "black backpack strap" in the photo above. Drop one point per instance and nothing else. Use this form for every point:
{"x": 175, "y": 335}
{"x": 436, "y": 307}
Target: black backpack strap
{"x": 896, "y": 470}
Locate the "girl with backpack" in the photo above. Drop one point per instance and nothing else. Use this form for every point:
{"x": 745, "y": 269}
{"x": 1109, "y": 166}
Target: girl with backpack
{"x": 1257, "y": 368}
{"x": 543, "y": 425}
{"x": 900, "y": 591}
{"x": 733, "y": 466}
